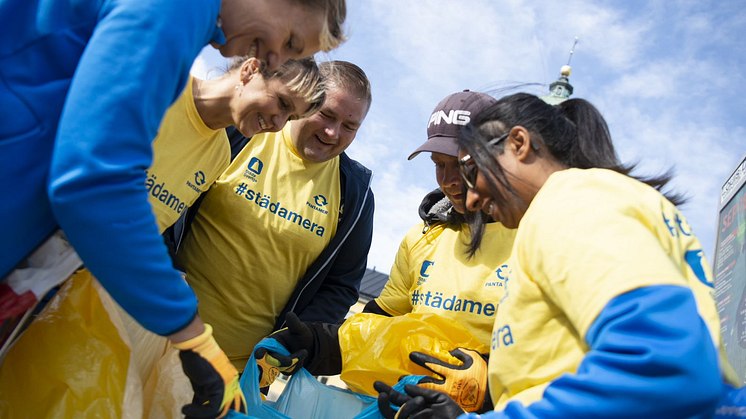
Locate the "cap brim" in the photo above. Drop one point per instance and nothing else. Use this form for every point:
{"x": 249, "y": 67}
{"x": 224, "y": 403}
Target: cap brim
{"x": 438, "y": 144}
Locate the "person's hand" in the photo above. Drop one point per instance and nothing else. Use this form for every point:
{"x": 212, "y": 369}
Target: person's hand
{"x": 213, "y": 377}
{"x": 417, "y": 403}
{"x": 297, "y": 338}
{"x": 465, "y": 383}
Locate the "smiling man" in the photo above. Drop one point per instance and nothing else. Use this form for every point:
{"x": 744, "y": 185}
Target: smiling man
{"x": 288, "y": 226}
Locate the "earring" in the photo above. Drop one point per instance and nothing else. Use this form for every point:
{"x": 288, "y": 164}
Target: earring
{"x": 237, "y": 86}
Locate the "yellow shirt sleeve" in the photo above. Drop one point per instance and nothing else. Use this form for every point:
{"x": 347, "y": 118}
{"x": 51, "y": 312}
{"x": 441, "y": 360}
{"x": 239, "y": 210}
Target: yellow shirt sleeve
{"x": 608, "y": 248}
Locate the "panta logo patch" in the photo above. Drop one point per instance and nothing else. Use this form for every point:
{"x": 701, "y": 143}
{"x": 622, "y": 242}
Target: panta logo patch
{"x": 320, "y": 200}
{"x": 199, "y": 178}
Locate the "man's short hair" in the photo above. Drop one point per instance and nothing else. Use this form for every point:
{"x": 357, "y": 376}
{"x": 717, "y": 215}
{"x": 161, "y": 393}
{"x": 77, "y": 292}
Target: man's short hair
{"x": 348, "y": 76}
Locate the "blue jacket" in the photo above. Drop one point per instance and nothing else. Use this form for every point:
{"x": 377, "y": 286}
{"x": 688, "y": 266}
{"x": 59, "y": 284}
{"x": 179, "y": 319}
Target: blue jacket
{"x": 83, "y": 87}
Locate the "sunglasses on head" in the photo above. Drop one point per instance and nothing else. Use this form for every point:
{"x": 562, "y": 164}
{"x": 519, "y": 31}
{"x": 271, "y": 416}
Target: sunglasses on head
{"x": 469, "y": 172}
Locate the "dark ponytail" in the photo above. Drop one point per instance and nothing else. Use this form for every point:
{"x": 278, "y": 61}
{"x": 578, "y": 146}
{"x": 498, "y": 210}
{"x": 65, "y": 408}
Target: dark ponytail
{"x": 596, "y": 150}
{"x": 574, "y": 133}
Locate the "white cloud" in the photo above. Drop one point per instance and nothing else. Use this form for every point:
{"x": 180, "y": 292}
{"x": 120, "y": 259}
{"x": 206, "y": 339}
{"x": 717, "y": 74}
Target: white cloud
{"x": 398, "y": 186}
{"x": 397, "y": 202}
{"x": 702, "y": 161}
{"x": 668, "y": 78}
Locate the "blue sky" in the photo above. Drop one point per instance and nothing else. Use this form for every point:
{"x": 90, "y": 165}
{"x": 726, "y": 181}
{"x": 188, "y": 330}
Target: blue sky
{"x": 667, "y": 75}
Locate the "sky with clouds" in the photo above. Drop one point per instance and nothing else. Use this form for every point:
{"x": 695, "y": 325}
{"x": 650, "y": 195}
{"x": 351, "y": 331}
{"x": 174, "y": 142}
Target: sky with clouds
{"x": 667, "y": 75}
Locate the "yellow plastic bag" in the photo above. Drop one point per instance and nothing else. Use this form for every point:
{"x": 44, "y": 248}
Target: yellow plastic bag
{"x": 165, "y": 387}
{"x": 377, "y": 348}
{"x": 72, "y": 361}
{"x": 84, "y": 357}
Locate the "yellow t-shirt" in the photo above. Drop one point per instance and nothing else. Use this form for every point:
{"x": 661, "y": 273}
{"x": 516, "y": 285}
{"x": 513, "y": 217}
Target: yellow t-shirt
{"x": 187, "y": 158}
{"x": 432, "y": 274}
{"x": 587, "y": 237}
{"x": 264, "y": 222}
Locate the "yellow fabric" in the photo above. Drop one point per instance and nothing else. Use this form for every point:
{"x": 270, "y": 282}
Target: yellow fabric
{"x": 587, "y": 237}
{"x": 72, "y": 361}
{"x": 117, "y": 368}
{"x": 370, "y": 354}
{"x": 165, "y": 387}
{"x": 264, "y": 222}
{"x": 187, "y": 158}
{"x": 433, "y": 270}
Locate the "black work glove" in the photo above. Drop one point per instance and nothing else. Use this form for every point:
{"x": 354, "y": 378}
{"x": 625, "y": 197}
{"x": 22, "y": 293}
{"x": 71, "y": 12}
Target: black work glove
{"x": 297, "y": 338}
{"x": 417, "y": 403}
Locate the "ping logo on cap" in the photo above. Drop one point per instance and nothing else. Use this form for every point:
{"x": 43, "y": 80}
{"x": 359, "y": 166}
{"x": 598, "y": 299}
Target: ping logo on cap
{"x": 459, "y": 117}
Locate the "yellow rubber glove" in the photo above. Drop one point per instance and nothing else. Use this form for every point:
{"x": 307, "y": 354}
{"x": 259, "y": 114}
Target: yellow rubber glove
{"x": 213, "y": 377}
{"x": 465, "y": 383}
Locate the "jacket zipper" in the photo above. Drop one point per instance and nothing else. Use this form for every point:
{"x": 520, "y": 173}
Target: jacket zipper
{"x": 354, "y": 223}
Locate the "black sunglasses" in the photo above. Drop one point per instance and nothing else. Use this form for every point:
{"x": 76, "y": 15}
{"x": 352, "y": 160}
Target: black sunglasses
{"x": 469, "y": 173}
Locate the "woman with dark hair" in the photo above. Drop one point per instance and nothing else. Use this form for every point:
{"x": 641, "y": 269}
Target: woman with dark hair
{"x": 608, "y": 309}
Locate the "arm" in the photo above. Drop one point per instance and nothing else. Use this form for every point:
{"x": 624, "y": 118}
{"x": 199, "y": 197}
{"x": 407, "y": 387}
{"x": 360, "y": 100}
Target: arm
{"x": 373, "y": 307}
{"x": 340, "y": 288}
{"x": 650, "y": 356}
{"x": 134, "y": 67}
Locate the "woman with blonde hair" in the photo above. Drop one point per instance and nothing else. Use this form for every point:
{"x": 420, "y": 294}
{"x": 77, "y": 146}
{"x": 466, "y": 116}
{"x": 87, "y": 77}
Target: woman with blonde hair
{"x": 192, "y": 148}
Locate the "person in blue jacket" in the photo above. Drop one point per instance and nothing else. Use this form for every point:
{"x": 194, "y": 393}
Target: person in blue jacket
{"x": 83, "y": 87}
{"x": 608, "y": 309}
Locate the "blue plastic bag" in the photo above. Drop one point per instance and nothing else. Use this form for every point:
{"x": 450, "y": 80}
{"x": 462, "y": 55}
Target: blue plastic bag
{"x": 305, "y": 397}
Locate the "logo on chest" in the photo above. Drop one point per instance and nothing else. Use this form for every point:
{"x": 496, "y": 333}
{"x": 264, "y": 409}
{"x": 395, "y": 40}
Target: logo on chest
{"x": 501, "y": 276}
{"x": 199, "y": 180}
{"x": 318, "y": 204}
{"x": 424, "y": 272}
{"x": 253, "y": 169}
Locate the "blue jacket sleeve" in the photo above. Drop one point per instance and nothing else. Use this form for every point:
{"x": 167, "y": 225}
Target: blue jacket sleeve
{"x": 651, "y": 356}
{"x": 134, "y": 66}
